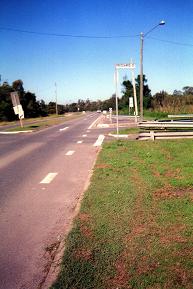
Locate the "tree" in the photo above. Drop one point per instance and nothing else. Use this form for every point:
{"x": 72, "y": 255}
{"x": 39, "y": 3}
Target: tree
{"x": 6, "y": 107}
{"x": 43, "y": 108}
{"x": 127, "y": 92}
{"x": 18, "y": 85}
{"x": 147, "y": 97}
{"x": 51, "y": 107}
{"x": 187, "y": 90}
{"x": 177, "y": 92}
{"x": 159, "y": 99}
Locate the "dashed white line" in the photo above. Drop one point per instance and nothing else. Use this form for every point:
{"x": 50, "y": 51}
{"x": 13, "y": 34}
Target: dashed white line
{"x": 79, "y": 141}
{"x": 99, "y": 140}
{"x": 69, "y": 153}
{"x": 48, "y": 178}
{"x": 61, "y": 129}
{"x": 84, "y": 135}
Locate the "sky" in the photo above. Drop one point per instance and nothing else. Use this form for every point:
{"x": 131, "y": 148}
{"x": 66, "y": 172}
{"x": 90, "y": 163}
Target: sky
{"x": 83, "y": 67}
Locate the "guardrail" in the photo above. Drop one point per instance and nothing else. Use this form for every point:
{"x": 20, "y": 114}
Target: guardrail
{"x": 165, "y": 135}
{"x": 159, "y": 124}
{"x": 180, "y": 115}
{"x": 165, "y": 130}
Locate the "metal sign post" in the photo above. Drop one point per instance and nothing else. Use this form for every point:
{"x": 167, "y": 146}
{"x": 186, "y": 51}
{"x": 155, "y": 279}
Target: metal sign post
{"x": 116, "y": 89}
{"x": 132, "y": 67}
{"x": 17, "y": 107}
{"x": 125, "y": 66}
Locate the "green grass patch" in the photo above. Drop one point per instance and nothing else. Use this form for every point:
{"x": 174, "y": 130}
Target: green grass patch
{"x": 131, "y": 130}
{"x": 135, "y": 226}
{"x": 151, "y": 115}
{"x": 148, "y": 114}
{"x": 26, "y": 127}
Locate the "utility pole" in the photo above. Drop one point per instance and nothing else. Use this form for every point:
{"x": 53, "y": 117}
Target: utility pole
{"x": 56, "y": 98}
{"x": 142, "y": 36}
{"x": 141, "y": 75}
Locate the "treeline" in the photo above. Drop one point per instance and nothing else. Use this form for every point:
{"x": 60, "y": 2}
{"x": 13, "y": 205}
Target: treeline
{"x": 31, "y": 107}
{"x": 36, "y": 108}
{"x": 178, "y": 102}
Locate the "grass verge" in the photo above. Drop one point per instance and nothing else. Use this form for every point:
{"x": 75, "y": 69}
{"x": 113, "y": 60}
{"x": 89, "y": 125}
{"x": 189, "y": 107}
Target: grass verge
{"x": 131, "y": 130}
{"x": 41, "y": 123}
{"x": 135, "y": 226}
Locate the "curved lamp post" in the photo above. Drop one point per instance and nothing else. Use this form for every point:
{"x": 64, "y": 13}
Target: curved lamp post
{"x": 142, "y": 36}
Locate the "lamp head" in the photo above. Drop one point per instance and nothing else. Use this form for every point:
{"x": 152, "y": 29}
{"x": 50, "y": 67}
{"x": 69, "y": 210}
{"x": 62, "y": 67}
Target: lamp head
{"x": 162, "y": 22}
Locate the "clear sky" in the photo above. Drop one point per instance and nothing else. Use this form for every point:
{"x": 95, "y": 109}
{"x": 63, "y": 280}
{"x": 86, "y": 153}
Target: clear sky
{"x": 84, "y": 67}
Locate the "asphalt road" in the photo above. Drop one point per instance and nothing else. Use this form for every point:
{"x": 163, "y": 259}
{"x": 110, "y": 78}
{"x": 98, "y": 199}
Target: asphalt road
{"x": 42, "y": 176}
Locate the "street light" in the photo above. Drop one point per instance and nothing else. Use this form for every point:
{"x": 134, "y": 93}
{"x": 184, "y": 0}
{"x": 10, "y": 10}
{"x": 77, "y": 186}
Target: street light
{"x": 142, "y": 36}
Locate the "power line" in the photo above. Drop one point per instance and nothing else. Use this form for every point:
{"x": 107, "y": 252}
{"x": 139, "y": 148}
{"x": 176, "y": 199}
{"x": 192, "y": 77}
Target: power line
{"x": 91, "y": 36}
{"x": 67, "y": 35}
{"x": 172, "y": 42}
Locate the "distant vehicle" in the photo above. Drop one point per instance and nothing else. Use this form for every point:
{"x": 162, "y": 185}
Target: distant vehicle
{"x": 104, "y": 112}
{"x": 98, "y": 110}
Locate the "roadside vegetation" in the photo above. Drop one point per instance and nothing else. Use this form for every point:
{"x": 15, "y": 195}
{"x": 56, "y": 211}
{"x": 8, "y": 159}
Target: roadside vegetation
{"x": 135, "y": 226}
{"x": 41, "y": 123}
{"x": 156, "y": 106}
{"x": 131, "y": 130}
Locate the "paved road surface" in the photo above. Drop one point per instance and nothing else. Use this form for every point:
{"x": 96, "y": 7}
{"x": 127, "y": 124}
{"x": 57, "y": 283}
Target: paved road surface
{"x": 42, "y": 175}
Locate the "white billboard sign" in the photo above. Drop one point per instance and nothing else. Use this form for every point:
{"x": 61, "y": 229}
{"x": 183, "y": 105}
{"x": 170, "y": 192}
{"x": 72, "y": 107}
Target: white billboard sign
{"x": 19, "y": 110}
{"x": 126, "y": 65}
{"x": 131, "y": 102}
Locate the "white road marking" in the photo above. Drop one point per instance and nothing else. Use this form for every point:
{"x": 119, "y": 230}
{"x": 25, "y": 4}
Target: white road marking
{"x": 80, "y": 141}
{"x": 102, "y": 125}
{"x": 92, "y": 124}
{"x": 84, "y": 135}
{"x": 69, "y": 153}
{"x": 61, "y": 129}
{"x": 48, "y": 178}
{"x": 99, "y": 140}
{"x": 14, "y": 132}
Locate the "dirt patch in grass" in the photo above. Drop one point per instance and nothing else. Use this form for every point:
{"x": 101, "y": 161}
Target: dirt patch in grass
{"x": 146, "y": 267}
{"x": 87, "y": 232}
{"x": 102, "y": 166}
{"x": 170, "y": 192}
{"x": 84, "y": 217}
{"x": 121, "y": 277}
{"x": 173, "y": 234}
{"x": 84, "y": 254}
{"x": 180, "y": 277}
{"x": 173, "y": 173}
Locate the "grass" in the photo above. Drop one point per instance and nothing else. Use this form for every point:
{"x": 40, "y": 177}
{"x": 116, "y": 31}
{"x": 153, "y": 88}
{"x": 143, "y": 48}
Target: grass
{"x": 152, "y": 115}
{"x": 27, "y": 127}
{"x": 148, "y": 115}
{"x": 131, "y": 130}
{"x": 41, "y": 123}
{"x": 135, "y": 226}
